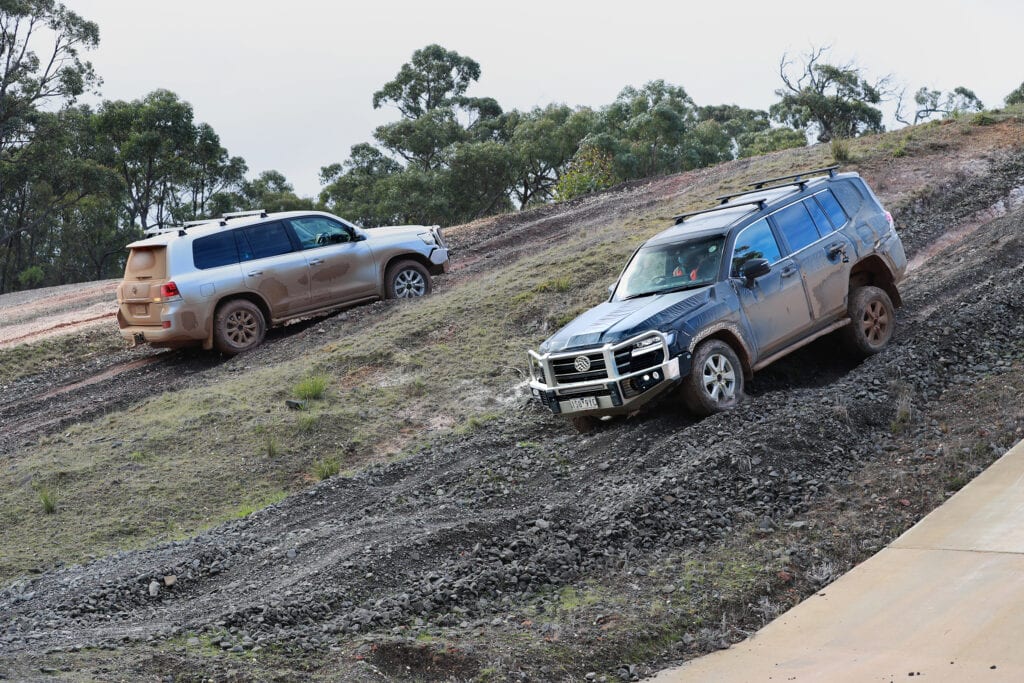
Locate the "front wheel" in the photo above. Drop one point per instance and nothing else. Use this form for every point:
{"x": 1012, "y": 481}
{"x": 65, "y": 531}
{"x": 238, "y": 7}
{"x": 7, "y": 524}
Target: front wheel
{"x": 715, "y": 382}
{"x": 238, "y": 327}
{"x": 406, "y": 280}
{"x": 872, "y": 321}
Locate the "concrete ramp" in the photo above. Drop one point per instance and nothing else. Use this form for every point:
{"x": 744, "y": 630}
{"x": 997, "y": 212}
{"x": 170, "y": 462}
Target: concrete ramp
{"x": 944, "y": 601}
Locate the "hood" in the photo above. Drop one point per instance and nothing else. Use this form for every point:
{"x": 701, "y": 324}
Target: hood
{"x": 614, "y": 321}
{"x": 396, "y": 231}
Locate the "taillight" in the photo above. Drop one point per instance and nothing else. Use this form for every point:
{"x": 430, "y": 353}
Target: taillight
{"x": 169, "y": 291}
{"x": 888, "y": 217}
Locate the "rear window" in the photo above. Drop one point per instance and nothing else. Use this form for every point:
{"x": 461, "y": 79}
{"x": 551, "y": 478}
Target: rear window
{"x": 265, "y": 240}
{"x": 213, "y": 251}
{"x": 797, "y": 226}
{"x": 849, "y": 195}
{"x": 146, "y": 263}
{"x": 832, "y": 208}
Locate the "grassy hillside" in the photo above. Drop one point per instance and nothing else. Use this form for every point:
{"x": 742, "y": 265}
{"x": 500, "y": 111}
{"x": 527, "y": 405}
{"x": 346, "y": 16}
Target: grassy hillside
{"x": 396, "y": 374}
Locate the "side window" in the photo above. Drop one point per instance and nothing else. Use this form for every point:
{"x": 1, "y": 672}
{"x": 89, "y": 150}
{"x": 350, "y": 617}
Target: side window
{"x": 796, "y": 225}
{"x": 820, "y": 219}
{"x": 755, "y": 241}
{"x": 319, "y": 231}
{"x": 849, "y": 196}
{"x": 832, "y": 208}
{"x": 266, "y": 239}
{"x": 214, "y": 250}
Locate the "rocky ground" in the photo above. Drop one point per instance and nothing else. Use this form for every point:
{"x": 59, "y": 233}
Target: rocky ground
{"x": 520, "y": 550}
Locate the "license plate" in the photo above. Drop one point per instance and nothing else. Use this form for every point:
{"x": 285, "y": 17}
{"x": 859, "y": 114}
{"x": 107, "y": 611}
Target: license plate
{"x": 583, "y": 403}
{"x": 141, "y": 310}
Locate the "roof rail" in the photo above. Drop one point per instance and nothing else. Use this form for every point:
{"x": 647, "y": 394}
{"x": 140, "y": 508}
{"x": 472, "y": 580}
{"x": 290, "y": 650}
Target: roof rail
{"x": 726, "y": 197}
{"x": 795, "y": 177}
{"x": 224, "y": 218}
{"x": 192, "y": 224}
{"x": 683, "y": 216}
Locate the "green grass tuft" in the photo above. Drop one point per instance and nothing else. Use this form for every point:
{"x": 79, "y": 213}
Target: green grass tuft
{"x": 47, "y": 498}
{"x": 326, "y": 468}
{"x": 311, "y": 388}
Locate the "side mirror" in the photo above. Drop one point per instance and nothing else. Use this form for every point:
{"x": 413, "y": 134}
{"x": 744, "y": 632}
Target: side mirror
{"x": 753, "y": 269}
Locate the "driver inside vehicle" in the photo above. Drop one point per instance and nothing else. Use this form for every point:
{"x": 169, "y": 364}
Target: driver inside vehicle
{"x": 696, "y": 266}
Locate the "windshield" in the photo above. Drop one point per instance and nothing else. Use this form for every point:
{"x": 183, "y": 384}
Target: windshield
{"x": 672, "y": 267}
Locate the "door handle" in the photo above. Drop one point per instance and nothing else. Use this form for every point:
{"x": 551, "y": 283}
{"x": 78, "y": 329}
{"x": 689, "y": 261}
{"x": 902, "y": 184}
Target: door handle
{"x": 788, "y": 271}
{"x": 254, "y": 273}
{"x": 316, "y": 262}
{"x": 835, "y": 249}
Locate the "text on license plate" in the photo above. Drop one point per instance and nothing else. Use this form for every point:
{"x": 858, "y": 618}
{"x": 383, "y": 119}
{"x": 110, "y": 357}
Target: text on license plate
{"x": 583, "y": 403}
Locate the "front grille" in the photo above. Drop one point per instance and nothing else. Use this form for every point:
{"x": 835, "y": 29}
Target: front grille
{"x": 626, "y": 362}
{"x": 566, "y": 373}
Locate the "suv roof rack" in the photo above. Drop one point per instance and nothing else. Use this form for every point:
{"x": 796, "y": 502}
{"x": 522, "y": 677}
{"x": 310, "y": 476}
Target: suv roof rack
{"x": 796, "y": 180}
{"x": 683, "y": 216}
{"x": 225, "y": 217}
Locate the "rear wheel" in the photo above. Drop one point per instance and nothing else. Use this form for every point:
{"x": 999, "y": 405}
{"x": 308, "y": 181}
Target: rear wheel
{"x": 872, "y": 321}
{"x": 238, "y": 327}
{"x": 407, "y": 280}
{"x": 715, "y": 382}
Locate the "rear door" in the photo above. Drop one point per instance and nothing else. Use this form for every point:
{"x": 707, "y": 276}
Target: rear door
{"x": 342, "y": 268}
{"x": 776, "y": 306}
{"x": 273, "y": 266}
{"x": 822, "y": 255}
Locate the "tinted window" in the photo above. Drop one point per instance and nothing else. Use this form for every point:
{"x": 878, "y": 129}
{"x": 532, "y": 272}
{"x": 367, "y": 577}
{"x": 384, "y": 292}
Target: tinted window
{"x": 849, "y": 197}
{"x": 319, "y": 231}
{"x": 820, "y": 219}
{"x": 832, "y": 208}
{"x": 266, "y": 239}
{"x": 796, "y": 225}
{"x": 755, "y": 241}
{"x": 214, "y": 250}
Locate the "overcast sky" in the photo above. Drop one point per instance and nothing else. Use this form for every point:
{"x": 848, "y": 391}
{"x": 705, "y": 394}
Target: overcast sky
{"x": 288, "y": 85}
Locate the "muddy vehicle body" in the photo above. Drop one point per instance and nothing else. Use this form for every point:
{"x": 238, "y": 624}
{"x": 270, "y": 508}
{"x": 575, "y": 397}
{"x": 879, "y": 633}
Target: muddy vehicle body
{"x": 221, "y": 283}
{"x": 727, "y": 291}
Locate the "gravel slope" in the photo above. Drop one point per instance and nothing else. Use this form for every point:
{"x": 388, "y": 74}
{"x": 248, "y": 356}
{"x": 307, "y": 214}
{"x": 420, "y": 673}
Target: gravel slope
{"x": 478, "y": 533}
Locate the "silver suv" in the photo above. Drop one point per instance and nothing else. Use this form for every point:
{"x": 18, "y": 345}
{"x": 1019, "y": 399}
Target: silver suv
{"x": 221, "y": 283}
{"x": 725, "y": 292}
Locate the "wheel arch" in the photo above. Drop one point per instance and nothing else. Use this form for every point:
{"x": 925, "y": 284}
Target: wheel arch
{"x": 256, "y": 299}
{"x": 731, "y": 337}
{"x": 432, "y": 268}
{"x": 873, "y": 271}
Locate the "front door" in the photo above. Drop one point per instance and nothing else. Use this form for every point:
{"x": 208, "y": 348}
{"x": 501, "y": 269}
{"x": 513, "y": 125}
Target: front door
{"x": 342, "y": 269}
{"x": 775, "y": 306}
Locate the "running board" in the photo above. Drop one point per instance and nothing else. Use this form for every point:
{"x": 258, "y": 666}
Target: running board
{"x": 803, "y": 342}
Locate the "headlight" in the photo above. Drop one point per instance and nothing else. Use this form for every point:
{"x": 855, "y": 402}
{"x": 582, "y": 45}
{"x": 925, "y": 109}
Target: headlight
{"x": 428, "y": 238}
{"x": 652, "y": 343}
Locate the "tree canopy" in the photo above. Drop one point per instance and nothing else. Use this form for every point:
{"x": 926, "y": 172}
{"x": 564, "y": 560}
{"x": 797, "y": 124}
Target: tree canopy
{"x": 834, "y": 101}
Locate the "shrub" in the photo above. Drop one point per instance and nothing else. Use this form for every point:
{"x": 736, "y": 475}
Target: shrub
{"x": 311, "y": 387}
{"x": 326, "y": 468}
{"x": 840, "y": 149}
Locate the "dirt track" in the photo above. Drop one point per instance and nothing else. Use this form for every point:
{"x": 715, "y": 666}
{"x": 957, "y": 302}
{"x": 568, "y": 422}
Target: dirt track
{"x": 472, "y": 537}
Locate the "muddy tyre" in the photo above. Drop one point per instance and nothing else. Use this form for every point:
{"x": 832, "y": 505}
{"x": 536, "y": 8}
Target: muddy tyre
{"x": 238, "y": 326}
{"x": 715, "y": 382}
{"x": 872, "y": 321}
{"x": 406, "y": 280}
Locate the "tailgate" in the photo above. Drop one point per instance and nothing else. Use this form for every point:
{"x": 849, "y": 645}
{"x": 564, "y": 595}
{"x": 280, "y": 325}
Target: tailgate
{"x": 138, "y": 295}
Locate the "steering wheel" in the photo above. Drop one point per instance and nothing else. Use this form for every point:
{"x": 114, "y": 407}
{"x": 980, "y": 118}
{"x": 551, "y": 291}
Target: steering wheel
{"x": 322, "y": 238}
{"x": 660, "y": 280}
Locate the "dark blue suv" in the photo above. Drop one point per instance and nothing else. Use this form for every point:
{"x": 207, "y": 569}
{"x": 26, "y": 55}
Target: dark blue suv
{"x": 725, "y": 292}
